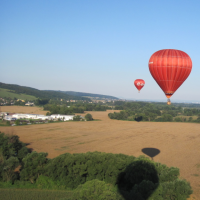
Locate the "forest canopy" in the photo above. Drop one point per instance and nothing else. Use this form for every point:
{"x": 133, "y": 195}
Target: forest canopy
{"x": 143, "y": 111}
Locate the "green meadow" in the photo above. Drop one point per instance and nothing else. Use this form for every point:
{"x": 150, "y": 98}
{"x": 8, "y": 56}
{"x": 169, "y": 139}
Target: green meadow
{"x": 10, "y": 93}
{"x": 28, "y": 194}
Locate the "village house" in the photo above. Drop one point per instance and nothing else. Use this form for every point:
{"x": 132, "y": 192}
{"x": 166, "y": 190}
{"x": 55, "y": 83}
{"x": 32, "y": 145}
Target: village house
{"x": 21, "y": 100}
{"x": 29, "y": 104}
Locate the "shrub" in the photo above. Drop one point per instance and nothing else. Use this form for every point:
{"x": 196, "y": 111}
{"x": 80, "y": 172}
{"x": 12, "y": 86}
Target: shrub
{"x": 145, "y": 179}
{"x": 75, "y": 169}
{"x": 33, "y": 166}
{"x": 190, "y": 119}
{"x": 9, "y": 166}
{"x": 97, "y": 190}
{"x": 177, "y": 119}
{"x": 88, "y": 117}
{"x": 48, "y": 114}
{"x": 10, "y": 145}
{"x": 77, "y": 118}
{"x": 44, "y": 182}
{"x": 17, "y": 122}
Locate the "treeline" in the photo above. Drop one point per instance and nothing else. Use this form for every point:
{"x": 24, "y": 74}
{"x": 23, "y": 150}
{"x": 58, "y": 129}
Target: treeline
{"x": 142, "y": 111}
{"x": 91, "y": 175}
{"x": 73, "y": 108}
{"x": 83, "y": 94}
{"x": 42, "y": 94}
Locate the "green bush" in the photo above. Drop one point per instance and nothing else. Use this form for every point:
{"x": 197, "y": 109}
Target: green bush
{"x": 138, "y": 177}
{"x": 190, "y": 119}
{"x": 77, "y": 118}
{"x": 9, "y": 166}
{"x": 177, "y": 189}
{"x": 10, "y": 156}
{"x": 17, "y": 122}
{"x": 33, "y": 166}
{"x": 88, "y": 117}
{"x": 8, "y": 123}
{"x": 145, "y": 179}
{"x": 75, "y": 169}
{"x": 44, "y": 182}
{"x": 32, "y": 194}
{"x": 95, "y": 190}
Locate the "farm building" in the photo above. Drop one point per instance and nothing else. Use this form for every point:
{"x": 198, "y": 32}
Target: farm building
{"x": 3, "y": 113}
{"x": 9, "y": 118}
{"x": 40, "y": 117}
{"x": 62, "y": 117}
{"x": 31, "y": 116}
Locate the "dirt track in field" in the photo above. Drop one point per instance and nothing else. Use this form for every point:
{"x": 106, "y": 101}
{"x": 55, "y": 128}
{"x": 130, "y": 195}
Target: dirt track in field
{"x": 179, "y": 143}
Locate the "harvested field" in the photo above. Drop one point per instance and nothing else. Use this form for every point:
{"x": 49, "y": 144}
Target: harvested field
{"x": 179, "y": 143}
{"x": 23, "y": 109}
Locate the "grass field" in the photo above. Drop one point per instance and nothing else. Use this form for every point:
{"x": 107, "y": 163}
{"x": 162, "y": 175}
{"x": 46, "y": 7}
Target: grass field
{"x": 30, "y": 194}
{"x": 7, "y": 93}
{"x": 179, "y": 143}
{"x": 187, "y": 117}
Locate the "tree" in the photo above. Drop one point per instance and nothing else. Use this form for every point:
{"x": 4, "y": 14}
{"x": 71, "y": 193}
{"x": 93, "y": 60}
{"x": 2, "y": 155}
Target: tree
{"x": 190, "y": 119}
{"x": 167, "y": 118}
{"x": 33, "y": 166}
{"x": 42, "y": 102}
{"x": 17, "y": 122}
{"x": 9, "y": 166}
{"x": 77, "y": 118}
{"x": 95, "y": 189}
{"x": 48, "y": 114}
{"x": 177, "y": 119}
{"x": 88, "y": 117}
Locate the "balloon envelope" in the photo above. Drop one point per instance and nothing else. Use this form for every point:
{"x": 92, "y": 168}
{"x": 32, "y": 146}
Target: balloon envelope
{"x": 139, "y": 84}
{"x": 170, "y": 68}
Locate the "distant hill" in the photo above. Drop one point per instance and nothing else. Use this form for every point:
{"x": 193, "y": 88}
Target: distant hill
{"x": 5, "y": 93}
{"x": 89, "y": 95}
{"x": 43, "y": 94}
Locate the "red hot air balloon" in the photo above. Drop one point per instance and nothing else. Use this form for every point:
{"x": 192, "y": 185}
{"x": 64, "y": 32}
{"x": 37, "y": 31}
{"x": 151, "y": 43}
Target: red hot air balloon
{"x": 139, "y": 84}
{"x": 170, "y": 68}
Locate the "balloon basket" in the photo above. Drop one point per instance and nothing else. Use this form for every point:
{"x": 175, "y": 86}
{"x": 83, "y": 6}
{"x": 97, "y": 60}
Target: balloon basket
{"x": 168, "y": 102}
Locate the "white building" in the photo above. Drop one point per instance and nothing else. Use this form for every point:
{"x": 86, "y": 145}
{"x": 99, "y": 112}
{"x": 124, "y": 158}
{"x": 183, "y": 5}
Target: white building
{"x": 9, "y": 118}
{"x": 3, "y": 113}
{"x": 41, "y": 117}
{"x": 62, "y": 117}
{"x": 31, "y": 116}
{"x": 29, "y": 104}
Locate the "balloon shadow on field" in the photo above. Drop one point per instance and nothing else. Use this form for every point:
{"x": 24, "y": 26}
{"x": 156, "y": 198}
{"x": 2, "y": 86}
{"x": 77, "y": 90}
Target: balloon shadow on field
{"x": 138, "y": 181}
{"x": 151, "y": 152}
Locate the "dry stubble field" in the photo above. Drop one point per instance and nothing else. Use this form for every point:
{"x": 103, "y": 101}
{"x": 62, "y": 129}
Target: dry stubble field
{"x": 179, "y": 143}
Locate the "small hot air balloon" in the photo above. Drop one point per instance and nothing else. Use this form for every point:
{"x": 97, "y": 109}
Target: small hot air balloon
{"x": 139, "y": 84}
{"x": 170, "y": 68}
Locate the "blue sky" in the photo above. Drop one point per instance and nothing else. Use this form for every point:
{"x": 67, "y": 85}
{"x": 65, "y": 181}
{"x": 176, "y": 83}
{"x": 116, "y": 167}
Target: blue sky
{"x": 97, "y": 46}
